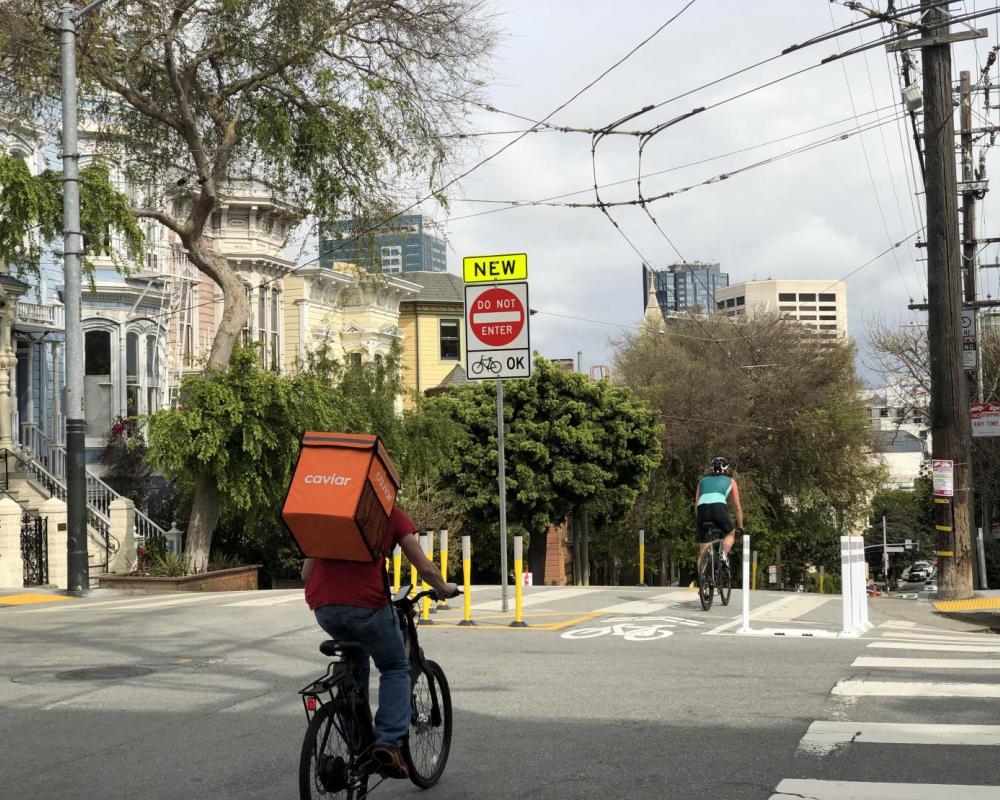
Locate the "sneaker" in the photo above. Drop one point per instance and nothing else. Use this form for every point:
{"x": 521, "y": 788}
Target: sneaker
{"x": 389, "y": 761}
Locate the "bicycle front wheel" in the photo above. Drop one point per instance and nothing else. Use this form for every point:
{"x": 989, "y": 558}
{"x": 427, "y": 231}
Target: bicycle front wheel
{"x": 725, "y": 583}
{"x": 327, "y": 768}
{"x": 426, "y": 748}
{"x": 705, "y": 584}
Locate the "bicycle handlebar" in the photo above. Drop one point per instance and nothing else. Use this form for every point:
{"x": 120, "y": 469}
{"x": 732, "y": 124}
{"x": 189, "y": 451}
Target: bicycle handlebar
{"x": 431, "y": 593}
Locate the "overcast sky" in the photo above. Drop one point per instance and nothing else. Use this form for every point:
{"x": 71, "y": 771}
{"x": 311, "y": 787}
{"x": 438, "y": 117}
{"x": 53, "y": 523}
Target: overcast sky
{"x": 813, "y": 215}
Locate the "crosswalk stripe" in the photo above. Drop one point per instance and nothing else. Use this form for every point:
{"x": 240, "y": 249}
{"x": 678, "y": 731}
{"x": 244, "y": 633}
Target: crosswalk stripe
{"x": 926, "y": 663}
{"x": 174, "y": 601}
{"x": 798, "y": 606}
{"x": 934, "y": 648}
{"x": 534, "y": 599}
{"x": 269, "y": 601}
{"x": 862, "y": 688}
{"x": 632, "y": 607}
{"x": 827, "y": 734}
{"x": 854, "y": 790}
{"x": 958, "y": 638}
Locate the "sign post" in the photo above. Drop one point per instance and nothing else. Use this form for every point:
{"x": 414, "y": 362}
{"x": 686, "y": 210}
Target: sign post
{"x": 497, "y": 346}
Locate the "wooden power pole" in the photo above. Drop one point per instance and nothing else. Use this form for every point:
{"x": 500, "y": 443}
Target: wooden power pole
{"x": 949, "y": 401}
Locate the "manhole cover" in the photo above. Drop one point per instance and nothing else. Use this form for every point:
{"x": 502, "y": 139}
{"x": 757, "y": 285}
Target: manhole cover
{"x": 103, "y": 673}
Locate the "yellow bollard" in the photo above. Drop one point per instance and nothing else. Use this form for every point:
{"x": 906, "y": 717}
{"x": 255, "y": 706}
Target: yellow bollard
{"x": 518, "y": 585}
{"x": 397, "y": 563}
{"x": 822, "y": 576}
{"x": 467, "y": 579}
{"x": 425, "y": 604}
{"x": 429, "y": 552}
{"x": 753, "y": 572}
{"x": 443, "y": 547}
{"x": 413, "y": 580}
{"x": 642, "y": 557}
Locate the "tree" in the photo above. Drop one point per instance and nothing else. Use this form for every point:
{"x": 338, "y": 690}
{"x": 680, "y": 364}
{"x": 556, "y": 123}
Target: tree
{"x": 781, "y": 404}
{"x": 336, "y": 104}
{"x": 570, "y": 444}
{"x": 31, "y": 215}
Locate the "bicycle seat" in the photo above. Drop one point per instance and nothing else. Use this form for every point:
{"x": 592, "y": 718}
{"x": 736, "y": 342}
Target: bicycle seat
{"x": 344, "y": 649}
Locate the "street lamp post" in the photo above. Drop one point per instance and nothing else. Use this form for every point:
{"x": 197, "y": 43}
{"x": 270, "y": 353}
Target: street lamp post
{"x": 76, "y": 477}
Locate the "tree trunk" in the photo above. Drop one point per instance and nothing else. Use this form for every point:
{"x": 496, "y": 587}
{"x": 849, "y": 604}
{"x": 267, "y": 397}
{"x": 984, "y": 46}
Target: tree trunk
{"x": 204, "y": 517}
{"x": 205, "y": 506}
{"x": 585, "y": 547}
{"x": 577, "y": 564}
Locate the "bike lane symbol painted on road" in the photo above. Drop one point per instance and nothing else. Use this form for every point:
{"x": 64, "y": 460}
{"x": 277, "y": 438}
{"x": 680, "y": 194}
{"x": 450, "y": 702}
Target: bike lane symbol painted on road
{"x": 633, "y": 629}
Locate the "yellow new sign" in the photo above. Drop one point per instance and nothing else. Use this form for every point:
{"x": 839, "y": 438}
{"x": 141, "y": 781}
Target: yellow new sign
{"x": 494, "y": 269}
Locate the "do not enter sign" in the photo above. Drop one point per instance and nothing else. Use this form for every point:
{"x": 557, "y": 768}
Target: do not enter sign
{"x": 496, "y": 331}
{"x": 497, "y": 317}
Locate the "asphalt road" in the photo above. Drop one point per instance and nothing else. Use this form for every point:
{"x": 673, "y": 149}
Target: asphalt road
{"x": 659, "y": 699}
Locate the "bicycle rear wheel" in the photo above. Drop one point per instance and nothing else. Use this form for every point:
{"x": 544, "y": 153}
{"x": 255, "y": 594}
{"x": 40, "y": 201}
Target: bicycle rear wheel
{"x": 705, "y": 583}
{"x": 426, "y": 748}
{"x": 725, "y": 583}
{"x": 327, "y": 767}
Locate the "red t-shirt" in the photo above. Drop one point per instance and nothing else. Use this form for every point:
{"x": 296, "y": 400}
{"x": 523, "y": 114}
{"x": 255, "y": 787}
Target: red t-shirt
{"x": 356, "y": 583}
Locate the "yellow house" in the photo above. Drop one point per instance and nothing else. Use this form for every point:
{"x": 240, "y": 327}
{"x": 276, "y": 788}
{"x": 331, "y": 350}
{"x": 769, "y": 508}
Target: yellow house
{"x": 433, "y": 326}
{"x": 354, "y": 313}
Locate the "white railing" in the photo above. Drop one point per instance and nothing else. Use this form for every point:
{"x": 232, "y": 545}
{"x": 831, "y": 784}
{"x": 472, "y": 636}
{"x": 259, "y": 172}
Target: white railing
{"x": 50, "y": 459}
{"x": 48, "y": 315}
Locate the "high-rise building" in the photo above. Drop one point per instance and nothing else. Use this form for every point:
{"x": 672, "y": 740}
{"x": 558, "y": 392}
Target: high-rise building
{"x": 403, "y": 245}
{"x": 683, "y": 287}
{"x": 817, "y": 304}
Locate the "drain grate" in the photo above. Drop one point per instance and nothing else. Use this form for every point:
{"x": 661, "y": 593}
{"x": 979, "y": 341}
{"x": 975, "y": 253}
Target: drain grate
{"x": 104, "y": 673}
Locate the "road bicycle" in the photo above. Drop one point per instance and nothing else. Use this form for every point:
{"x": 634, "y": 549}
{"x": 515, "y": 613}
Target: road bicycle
{"x": 336, "y": 757}
{"x": 487, "y": 363}
{"x": 714, "y": 573}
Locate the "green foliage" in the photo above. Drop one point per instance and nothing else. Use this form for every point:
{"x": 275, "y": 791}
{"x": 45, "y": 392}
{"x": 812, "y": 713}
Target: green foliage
{"x": 570, "y": 443}
{"x": 793, "y": 425}
{"x": 908, "y": 516}
{"x": 31, "y": 213}
{"x": 170, "y": 565}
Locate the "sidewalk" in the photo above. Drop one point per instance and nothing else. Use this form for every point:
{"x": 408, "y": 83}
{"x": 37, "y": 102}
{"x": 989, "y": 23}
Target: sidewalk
{"x": 983, "y": 607}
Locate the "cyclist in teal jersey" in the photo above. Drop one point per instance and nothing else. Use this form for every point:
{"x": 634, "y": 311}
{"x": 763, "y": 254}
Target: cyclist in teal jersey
{"x": 712, "y": 506}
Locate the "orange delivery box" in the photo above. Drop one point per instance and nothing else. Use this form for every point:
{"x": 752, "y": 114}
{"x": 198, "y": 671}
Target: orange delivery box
{"x": 341, "y": 495}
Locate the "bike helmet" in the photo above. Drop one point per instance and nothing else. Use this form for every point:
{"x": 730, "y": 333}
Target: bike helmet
{"x": 719, "y": 465}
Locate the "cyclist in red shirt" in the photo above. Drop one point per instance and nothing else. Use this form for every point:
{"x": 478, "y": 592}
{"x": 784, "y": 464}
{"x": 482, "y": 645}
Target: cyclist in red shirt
{"x": 350, "y": 601}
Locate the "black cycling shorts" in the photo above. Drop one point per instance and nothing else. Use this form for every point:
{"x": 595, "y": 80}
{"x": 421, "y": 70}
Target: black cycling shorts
{"x": 713, "y": 521}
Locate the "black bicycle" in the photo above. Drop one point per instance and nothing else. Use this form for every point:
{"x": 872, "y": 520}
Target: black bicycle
{"x": 336, "y": 754}
{"x": 714, "y": 573}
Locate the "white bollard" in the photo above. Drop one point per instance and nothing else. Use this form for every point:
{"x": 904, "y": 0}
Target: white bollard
{"x": 745, "y": 628}
{"x": 846, "y": 586}
{"x": 862, "y": 600}
{"x": 860, "y": 587}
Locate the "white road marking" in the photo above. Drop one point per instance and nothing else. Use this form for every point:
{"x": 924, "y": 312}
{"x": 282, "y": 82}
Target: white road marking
{"x": 270, "y": 600}
{"x": 536, "y": 598}
{"x": 797, "y": 606}
{"x": 632, "y": 607}
{"x": 862, "y": 688}
{"x": 174, "y": 601}
{"x": 960, "y": 638}
{"x": 897, "y": 623}
{"x": 927, "y": 663}
{"x": 825, "y": 736}
{"x": 851, "y": 790}
{"x": 930, "y": 647}
{"x": 764, "y": 609}
{"x": 725, "y": 626}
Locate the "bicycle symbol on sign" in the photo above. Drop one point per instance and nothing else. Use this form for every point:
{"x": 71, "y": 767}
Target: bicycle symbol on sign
{"x": 633, "y": 629}
{"x": 487, "y": 363}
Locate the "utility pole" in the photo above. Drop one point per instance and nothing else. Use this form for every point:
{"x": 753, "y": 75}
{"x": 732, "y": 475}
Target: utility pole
{"x": 949, "y": 401}
{"x": 968, "y": 211}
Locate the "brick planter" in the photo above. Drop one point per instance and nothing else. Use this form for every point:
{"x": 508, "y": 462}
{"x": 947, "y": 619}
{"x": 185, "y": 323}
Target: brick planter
{"x": 224, "y": 580}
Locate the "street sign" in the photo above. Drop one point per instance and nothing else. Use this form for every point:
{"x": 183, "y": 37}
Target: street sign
{"x": 495, "y": 269}
{"x": 970, "y": 346}
{"x": 985, "y": 419}
{"x": 497, "y": 340}
{"x": 894, "y": 548}
{"x": 943, "y": 474}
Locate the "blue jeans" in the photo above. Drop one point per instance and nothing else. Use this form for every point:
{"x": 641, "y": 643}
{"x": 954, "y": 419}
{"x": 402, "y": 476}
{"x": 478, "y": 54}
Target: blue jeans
{"x": 377, "y": 631}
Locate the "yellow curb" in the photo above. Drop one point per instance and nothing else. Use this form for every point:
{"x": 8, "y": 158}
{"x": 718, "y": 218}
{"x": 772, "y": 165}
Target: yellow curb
{"x": 558, "y": 626}
{"x": 973, "y": 604}
{"x": 31, "y": 597}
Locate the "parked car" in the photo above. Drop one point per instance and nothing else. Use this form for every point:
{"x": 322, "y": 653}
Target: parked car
{"x": 919, "y": 571}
